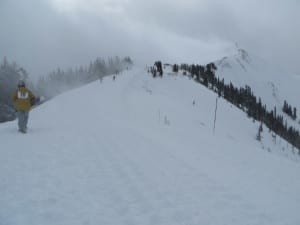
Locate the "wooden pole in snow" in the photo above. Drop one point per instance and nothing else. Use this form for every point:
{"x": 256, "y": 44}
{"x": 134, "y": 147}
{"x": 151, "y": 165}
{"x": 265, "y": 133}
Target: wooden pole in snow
{"x": 215, "y": 114}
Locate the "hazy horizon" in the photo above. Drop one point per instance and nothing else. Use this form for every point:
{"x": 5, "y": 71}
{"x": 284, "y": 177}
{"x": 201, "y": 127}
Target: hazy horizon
{"x": 42, "y": 35}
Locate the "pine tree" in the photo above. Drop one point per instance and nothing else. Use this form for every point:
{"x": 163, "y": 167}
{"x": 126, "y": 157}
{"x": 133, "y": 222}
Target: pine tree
{"x": 175, "y": 68}
{"x": 295, "y": 113}
{"x": 260, "y": 130}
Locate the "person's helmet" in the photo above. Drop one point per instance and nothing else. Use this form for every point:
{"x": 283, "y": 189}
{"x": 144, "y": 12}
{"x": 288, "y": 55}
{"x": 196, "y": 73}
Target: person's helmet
{"x": 21, "y": 83}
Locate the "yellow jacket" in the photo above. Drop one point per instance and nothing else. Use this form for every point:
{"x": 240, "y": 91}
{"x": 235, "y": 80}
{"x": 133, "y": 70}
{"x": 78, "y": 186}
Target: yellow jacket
{"x": 23, "y": 99}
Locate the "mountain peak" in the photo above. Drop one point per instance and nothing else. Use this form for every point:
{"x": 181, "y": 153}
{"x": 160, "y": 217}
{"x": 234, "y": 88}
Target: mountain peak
{"x": 244, "y": 55}
{"x": 240, "y": 59}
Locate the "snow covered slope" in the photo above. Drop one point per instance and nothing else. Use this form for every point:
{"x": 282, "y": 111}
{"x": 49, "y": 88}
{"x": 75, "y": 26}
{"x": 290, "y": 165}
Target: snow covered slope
{"x": 268, "y": 81}
{"x": 137, "y": 151}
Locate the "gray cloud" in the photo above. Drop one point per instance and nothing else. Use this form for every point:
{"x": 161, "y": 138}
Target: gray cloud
{"x": 45, "y": 34}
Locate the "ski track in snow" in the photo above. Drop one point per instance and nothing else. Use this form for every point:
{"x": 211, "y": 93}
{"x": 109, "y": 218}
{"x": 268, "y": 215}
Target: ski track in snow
{"x": 121, "y": 164}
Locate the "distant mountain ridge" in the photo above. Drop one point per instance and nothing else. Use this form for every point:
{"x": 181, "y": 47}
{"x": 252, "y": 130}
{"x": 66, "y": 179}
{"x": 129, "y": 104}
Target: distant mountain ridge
{"x": 266, "y": 80}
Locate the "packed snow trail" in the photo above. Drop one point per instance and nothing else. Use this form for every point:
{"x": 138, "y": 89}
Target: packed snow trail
{"x": 136, "y": 151}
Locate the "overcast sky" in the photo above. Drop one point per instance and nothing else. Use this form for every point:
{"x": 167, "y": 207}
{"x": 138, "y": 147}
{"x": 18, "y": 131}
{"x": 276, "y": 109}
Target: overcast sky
{"x": 42, "y": 35}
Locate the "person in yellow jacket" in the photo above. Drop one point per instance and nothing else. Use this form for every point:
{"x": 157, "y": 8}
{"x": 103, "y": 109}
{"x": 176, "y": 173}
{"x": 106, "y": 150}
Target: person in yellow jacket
{"x": 23, "y": 100}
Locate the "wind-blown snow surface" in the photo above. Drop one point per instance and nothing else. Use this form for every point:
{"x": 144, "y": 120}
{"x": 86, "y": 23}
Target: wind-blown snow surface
{"x": 136, "y": 151}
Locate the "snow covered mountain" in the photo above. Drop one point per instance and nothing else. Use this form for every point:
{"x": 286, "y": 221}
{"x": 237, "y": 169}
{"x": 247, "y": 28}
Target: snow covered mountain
{"x": 268, "y": 81}
{"x": 138, "y": 151}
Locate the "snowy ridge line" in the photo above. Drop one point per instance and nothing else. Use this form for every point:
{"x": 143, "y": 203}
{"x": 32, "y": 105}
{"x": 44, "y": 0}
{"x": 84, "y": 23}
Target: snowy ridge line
{"x": 245, "y": 100}
{"x": 100, "y": 155}
{"x": 269, "y": 81}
